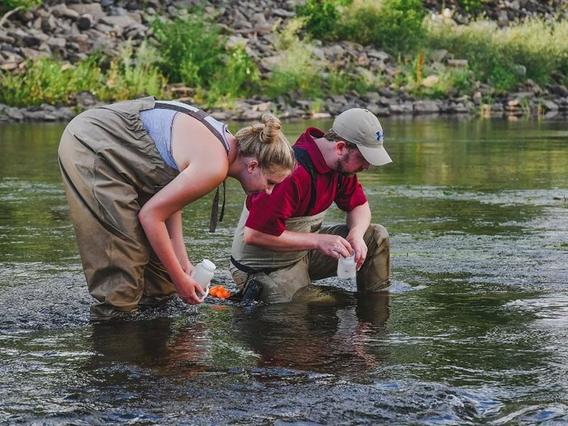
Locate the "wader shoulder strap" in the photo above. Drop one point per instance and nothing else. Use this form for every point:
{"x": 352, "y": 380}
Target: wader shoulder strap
{"x": 197, "y": 114}
{"x": 201, "y": 115}
{"x": 305, "y": 160}
{"x": 215, "y": 216}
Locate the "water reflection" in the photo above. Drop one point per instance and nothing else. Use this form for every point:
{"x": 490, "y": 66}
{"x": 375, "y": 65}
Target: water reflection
{"x": 140, "y": 342}
{"x": 326, "y": 339}
{"x": 319, "y": 338}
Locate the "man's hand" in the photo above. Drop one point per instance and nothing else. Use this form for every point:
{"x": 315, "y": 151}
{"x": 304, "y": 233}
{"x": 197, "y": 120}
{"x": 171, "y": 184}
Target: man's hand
{"x": 360, "y": 249}
{"x": 358, "y": 220}
{"x": 333, "y": 245}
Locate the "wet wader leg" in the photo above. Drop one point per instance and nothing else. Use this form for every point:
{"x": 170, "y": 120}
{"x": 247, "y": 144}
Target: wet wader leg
{"x": 279, "y": 286}
{"x": 374, "y": 274}
{"x": 158, "y": 286}
{"x": 104, "y": 212}
{"x": 239, "y": 277}
{"x": 321, "y": 265}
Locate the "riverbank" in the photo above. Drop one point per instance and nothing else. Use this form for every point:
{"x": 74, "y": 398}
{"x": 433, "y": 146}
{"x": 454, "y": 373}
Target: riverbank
{"x": 513, "y": 106}
{"x": 294, "y": 75}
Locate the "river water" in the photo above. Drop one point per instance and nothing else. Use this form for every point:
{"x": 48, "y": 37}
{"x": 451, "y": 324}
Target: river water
{"x": 475, "y": 329}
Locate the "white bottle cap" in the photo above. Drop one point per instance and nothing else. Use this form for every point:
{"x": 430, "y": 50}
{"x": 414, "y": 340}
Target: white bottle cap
{"x": 207, "y": 264}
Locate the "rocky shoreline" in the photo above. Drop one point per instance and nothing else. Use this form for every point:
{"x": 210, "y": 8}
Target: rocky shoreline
{"x": 76, "y": 28}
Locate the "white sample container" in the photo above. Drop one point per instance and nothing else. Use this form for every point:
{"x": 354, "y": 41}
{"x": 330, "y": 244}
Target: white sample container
{"x": 347, "y": 268}
{"x": 203, "y": 273}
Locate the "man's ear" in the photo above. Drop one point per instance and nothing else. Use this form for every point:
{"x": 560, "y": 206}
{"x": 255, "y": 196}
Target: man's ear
{"x": 340, "y": 147}
{"x": 252, "y": 165}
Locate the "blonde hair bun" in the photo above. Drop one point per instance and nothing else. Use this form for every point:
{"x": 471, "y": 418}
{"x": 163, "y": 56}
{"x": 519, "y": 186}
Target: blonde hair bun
{"x": 271, "y": 128}
{"x": 267, "y": 143}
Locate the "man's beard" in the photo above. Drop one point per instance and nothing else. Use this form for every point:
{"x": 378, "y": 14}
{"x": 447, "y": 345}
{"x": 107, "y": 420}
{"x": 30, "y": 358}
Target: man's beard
{"x": 340, "y": 166}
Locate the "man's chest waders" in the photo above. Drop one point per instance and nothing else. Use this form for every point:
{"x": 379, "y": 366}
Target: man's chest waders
{"x": 281, "y": 275}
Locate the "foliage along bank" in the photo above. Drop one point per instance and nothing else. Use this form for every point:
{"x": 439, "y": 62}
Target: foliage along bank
{"x": 318, "y": 56}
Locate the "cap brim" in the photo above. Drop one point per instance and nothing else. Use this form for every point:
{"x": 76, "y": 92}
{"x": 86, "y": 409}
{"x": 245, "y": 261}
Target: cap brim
{"x": 376, "y": 156}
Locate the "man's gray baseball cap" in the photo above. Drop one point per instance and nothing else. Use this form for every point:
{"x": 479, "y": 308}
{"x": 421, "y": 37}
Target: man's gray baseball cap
{"x": 362, "y": 127}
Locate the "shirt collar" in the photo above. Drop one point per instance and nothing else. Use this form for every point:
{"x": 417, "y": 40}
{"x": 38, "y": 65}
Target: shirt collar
{"x": 307, "y": 142}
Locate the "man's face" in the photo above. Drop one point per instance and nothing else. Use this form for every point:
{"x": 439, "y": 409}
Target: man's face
{"x": 352, "y": 162}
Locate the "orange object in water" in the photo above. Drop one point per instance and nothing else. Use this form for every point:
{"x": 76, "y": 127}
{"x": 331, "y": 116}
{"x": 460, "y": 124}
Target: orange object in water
{"x": 219, "y": 292}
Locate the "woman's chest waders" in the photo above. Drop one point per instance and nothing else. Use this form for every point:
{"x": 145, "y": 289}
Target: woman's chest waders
{"x": 110, "y": 168}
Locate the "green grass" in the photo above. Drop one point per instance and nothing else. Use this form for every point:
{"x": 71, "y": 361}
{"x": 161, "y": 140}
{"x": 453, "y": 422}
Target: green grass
{"x": 55, "y": 82}
{"x": 506, "y": 57}
{"x": 299, "y": 72}
{"x": 238, "y": 78}
{"x": 47, "y": 81}
{"x": 131, "y": 76}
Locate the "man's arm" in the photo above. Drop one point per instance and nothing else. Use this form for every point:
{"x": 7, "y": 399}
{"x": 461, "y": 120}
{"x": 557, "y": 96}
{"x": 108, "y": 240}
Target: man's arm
{"x": 331, "y": 245}
{"x": 358, "y": 220}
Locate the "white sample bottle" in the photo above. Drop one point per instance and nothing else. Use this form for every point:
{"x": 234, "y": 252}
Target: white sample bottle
{"x": 203, "y": 273}
{"x": 346, "y": 268}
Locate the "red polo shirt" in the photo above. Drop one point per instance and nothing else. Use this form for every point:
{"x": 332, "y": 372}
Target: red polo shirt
{"x": 291, "y": 197}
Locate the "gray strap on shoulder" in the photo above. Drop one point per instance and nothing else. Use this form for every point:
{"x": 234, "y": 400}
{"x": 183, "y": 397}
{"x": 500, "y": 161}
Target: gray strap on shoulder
{"x": 200, "y": 115}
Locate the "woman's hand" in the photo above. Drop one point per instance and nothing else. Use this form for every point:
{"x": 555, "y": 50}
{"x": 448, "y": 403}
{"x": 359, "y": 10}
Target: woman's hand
{"x": 188, "y": 290}
{"x": 187, "y": 266}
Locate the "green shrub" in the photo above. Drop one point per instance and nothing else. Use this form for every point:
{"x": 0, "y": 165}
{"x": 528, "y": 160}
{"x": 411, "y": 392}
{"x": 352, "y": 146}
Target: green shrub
{"x": 322, "y": 17}
{"x": 192, "y": 52}
{"x": 471, "y": 6}
{"x": 393, "y": 25}
{"x": 401, "y": 25}
{"x": 361, "y": 24}
{"x": 7, "y": 5}
{"x": 191, "y": 49}
{"x": 238, "y": 78}
{"x": 298, "y": 73}
{"x": 131, "y": 76}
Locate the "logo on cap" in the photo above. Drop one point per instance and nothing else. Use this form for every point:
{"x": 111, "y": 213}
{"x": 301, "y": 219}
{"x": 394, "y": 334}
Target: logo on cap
{"x": 380, "y": 136}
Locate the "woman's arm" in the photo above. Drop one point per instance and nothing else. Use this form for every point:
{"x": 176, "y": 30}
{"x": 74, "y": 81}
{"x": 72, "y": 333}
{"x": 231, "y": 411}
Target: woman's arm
{"x": 196, "y": 180}
{"x": 175, "y": 229}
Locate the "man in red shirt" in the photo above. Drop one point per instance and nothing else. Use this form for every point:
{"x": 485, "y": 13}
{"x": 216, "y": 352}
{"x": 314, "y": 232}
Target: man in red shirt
{"x": 280, "y": 244}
